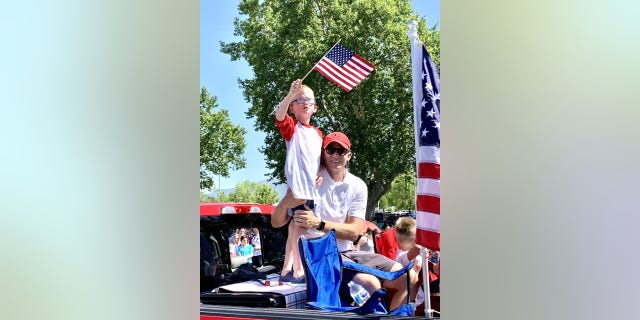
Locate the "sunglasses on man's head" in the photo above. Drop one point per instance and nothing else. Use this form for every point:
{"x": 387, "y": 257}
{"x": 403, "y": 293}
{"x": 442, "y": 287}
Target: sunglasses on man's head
{"x": 331, "y": 150}
{"x": 304, "y": 100}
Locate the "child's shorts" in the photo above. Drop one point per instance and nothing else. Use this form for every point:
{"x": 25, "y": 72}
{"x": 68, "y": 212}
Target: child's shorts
{"x": 309, "y": 204}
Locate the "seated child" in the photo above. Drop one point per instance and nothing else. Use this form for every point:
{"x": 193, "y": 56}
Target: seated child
{"x": 409, "y": 250}
{"x": 302, "y": 164}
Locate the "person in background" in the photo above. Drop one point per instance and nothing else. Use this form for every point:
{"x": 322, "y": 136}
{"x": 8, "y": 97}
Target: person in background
{"x": 245, "y": 249}
{"x": 233, "y": 245}
{"x": 257, "y": 249}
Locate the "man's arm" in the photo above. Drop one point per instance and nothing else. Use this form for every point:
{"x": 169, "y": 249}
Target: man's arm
{"x": 350, "y": 230}
{"x": 279, "y": 216}
{"x": 284, "y": 104}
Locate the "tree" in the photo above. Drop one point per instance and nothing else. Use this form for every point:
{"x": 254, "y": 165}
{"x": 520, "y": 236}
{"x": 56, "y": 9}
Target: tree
{"x": 221, "y": 142}
{"x": 205, "y": 198}
{"x": 401, "y": 195}
{"x": 282, "y": 40}
{"x": 248, "y": 191}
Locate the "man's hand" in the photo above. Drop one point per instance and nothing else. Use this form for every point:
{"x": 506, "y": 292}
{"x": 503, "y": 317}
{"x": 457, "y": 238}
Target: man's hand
{"x": 305, "y": 218}
{"x": 280, "y": 216}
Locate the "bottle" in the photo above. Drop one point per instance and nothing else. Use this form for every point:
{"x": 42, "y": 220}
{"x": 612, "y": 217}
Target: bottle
{"x": 359, "y": 294}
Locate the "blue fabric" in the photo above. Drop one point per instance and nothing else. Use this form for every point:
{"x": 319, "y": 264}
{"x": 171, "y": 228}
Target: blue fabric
{"x": 378, "y": 273}
{"x": 323, "y": 268}
{"x": 404, "y": 310}
{"x": 375, "y": 304}
{"x": 322, "y": 263}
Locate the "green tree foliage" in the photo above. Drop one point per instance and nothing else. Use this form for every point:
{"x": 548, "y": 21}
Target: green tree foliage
{"x": 221, "y": 142}
{"x": 205, "y": 198}
{"x": 282, "y": 40}
{"x": 401, "y": 195}
{"x": 248, "y": 191}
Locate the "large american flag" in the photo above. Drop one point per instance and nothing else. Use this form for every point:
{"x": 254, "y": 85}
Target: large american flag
{"x": 344, "y": 67}
{"x": 427, "y": 116}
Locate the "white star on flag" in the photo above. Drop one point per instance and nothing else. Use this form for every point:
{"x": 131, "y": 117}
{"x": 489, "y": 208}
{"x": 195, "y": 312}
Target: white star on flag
{"x": 424, "y": 132}
{"x": 437, "y": 124}
{"x": 430, "y": 113}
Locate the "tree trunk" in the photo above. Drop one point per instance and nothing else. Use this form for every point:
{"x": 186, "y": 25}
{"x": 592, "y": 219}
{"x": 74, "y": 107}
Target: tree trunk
{"x": 376, "y": 191}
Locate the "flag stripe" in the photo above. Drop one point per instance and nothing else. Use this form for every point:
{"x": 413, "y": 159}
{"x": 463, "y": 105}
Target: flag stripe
{"x": 429, "y": 221}
{"x": 428, "y": 187}
{"x": 429, "y": 154}
{"x": 429, "y": 170}
{"x": 429, "y": 239}
{"x": 428, "y": 203}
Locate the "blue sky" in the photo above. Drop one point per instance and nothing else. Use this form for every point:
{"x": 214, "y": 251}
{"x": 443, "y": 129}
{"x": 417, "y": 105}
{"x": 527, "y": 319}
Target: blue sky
{"x": 219, "y": 74}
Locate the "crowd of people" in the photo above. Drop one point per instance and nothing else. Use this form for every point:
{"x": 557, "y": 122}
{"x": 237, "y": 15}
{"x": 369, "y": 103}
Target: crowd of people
{"x": 246, "y": 242}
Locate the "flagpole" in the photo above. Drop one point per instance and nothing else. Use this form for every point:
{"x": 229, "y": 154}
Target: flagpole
{"x": 416, "y": 70}
{"x": 320, "y": 59}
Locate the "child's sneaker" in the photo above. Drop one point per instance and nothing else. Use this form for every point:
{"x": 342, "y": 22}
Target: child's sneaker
{"x": 288, "y": 277}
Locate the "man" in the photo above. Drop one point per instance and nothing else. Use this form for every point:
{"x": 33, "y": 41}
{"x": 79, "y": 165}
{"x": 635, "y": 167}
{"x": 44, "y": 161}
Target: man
{"x": 341, "y": 206}
{"x": 257, "y": 249}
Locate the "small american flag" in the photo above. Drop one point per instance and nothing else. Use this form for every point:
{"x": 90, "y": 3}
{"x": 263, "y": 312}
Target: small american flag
{"x": 427, "y": 115}
{"x": 344, "y": 67}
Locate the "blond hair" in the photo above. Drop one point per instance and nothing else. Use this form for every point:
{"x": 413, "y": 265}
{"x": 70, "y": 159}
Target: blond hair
{"x": 298, "y": 94}
{"x": 406, "y": 228}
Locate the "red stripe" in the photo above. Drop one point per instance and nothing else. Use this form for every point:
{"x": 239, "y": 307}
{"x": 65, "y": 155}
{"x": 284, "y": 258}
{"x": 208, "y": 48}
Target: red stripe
{"x": 428, "y": 203}
{"x": 428, "y": 239}
{"x": 429, "y": 170}
{"x": 363, "y": 60}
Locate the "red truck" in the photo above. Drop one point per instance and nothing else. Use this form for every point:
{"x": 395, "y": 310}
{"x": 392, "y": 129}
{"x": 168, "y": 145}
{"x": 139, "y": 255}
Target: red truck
{"x": 223, "y": 270}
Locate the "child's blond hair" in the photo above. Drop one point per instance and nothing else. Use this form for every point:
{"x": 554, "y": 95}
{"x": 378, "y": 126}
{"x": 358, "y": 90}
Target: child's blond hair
{"x": 406, "y": 229}
{"x": 302, "y": 87}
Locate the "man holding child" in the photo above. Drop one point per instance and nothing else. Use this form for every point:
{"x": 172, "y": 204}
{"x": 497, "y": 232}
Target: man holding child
{"x": 341, "y": 205}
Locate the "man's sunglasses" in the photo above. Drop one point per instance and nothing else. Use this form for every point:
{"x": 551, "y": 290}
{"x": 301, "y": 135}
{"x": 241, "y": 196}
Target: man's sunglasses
{"x": 331, "y": 150}
{"x": 304, "y": 100}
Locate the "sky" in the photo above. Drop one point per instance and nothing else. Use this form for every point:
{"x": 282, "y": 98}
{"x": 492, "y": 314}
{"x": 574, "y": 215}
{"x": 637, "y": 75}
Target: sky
{"x": 219, "y": 74}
